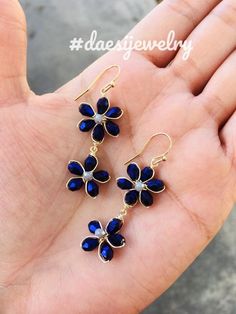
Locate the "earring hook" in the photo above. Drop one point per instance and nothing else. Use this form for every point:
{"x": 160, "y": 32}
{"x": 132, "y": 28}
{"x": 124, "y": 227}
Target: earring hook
{"x": 106, "y": 88}
{"x": 155, "y": 160}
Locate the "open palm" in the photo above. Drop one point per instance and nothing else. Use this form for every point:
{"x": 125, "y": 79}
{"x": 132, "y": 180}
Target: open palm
{"x": 42, "y": 268}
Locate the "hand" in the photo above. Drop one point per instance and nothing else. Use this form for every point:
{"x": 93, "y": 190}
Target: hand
{"x": 42, "y": 268}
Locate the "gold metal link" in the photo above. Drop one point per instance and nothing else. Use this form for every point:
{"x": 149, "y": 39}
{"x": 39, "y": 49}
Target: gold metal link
{"x": 94, "y": 149}
{"x": 123, "y": 212}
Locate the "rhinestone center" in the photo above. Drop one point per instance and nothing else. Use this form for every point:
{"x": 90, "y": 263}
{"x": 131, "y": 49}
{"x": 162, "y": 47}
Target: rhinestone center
{"x": 139, "y": 186}
{"x": 98, "y": 118}
{"x": 88, "y": 175}
{"x": 99, "y": 233}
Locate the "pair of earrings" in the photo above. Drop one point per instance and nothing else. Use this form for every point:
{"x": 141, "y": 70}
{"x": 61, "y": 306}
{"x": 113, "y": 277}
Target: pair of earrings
{"x": 139, "y": 186}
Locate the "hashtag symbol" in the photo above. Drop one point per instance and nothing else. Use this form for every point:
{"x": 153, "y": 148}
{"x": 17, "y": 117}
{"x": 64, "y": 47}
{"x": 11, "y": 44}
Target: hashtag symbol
{"x": 76, "y": 44}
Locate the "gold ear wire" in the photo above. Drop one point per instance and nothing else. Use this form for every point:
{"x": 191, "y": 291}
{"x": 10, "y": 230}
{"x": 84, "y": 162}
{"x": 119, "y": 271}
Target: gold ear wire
{"x": 155, "y": 160}
{"x": 106, "y": 88}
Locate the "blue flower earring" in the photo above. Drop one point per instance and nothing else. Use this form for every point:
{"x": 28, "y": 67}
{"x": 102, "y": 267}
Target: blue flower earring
{"x": 141, "y": 186}
{"x": 98, "y": 122}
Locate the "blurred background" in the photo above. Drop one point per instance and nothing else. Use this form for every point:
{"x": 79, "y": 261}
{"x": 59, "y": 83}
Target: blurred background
{"x": 209, "y": 285}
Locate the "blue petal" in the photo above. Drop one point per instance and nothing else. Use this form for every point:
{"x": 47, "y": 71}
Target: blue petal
{"x": 94, "y": 225}
{"x": 155, "y": 185}
{"x": 74, "y": 184}
{"x": 114, "y": 225}
{"x": 114, "y": 113}
{"x": 133, "y": 171}
{"x": 116, "y": 240}
{"x": 89, "y": 244}
{"x": 102, "y": 105}
{"x": 146, "y": 198}
{"x": 90, "y": 163}
{"x": 86, "y": 125}
{"x": 86, "y": 110}
{"x": 75, "y": 168}
{"x": 112, "y": 128}
{"x": 98, "y": 133}
{"x": 92, "y": 188}
{"x": 105, "y": 252}
{"x": 124, "y": 184}
{"x": 146, "y": 174}
{"x": 131, "y": 197}
{"x": 101, "y": 176}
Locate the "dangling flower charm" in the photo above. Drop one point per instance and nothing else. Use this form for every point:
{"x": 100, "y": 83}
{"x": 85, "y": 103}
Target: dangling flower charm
{"x": 101, "y": 121}
{"x": 104, "y": 239}
{"x": 140, "y": 185}
{"x": 86, "y": 175}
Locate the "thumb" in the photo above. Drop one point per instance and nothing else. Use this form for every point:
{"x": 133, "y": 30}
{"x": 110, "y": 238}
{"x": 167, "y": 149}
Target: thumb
{"x": 13, "y": 42}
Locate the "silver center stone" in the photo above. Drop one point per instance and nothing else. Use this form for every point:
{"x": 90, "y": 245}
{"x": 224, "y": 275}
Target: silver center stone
{"x": 88, "y": 175}
{"x": 99, "y": 233}
{"x": 139, "y": 186}
{"x": 98, "y": 118}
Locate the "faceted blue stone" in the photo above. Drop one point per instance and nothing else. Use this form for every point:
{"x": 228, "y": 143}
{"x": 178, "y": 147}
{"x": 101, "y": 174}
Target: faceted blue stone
{"x": 86, "y": 110}
{"x": 75, "y": 168}
{"x": 102, "y": 105}
{"x": 86, "y": 125}
{"x": 101, "y": 176}
{"x": 94, "y": 225}
{"x": 75, "y": 184}
{"x": 131, "y": 197}
{"x": 146, "y": 198}
{"x": 90, "y": 163}
{"x": 114, "y": 225}
{"x": 124, "y": 184}
{"x": 112, "y": 128}
{"x": 98, "y": 133}
{"x": 146, "y": 174}
{"x": 90, "y": 244}
{"x": 106, "y": 252}
{"x": 92, "y": 188}
{"x": 133, "y": 171}
{"x": 114, "y": 113}
{"x": 155, "y": 185}
{"x": 116, "y": 240}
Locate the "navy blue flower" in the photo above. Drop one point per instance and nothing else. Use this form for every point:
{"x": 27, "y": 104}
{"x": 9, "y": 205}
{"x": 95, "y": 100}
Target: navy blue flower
{"x": 140, "y": 185}
{"x": 100, "y": 121}
{"x": 86, "y": 175}
{"x": 105, "y": 239}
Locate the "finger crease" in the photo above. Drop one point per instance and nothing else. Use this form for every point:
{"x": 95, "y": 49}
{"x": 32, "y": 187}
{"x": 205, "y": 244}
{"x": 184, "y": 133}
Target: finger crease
{"x": 185, "y": 10}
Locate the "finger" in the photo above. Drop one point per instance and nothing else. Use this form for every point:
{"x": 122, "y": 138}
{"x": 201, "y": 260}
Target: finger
{"x": 179, "y": 15}
{"x": 220, "y": 92}
{"x": 12, "y": 51}
{"x": 213, "y": 41}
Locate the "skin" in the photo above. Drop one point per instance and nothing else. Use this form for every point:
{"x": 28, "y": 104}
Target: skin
{"x": 42, "y": 268}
